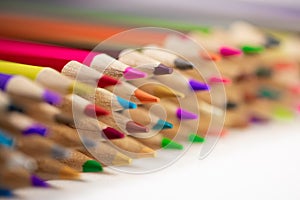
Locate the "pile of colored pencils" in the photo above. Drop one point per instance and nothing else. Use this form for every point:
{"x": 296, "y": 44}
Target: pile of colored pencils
{"x": 67, "y": 110}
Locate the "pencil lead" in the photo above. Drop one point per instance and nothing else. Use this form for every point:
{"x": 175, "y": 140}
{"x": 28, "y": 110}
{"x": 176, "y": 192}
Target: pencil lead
{"x": 182, "y": 64}
{"x": 35, "y": 129}
{"x": 145, "y": 97}
{"x": 298, "y": 108}
{"x": 162, "y": 69}
{"x": 59, "y": 152}
{"x": 229, "y": 51}
{"x": 5, "y": 140}
{"x": 165, "y": 92}
{"x": 167, "y": 143}
{"x": 37, "y": 182}
{"x": 91, "y": 110}
{"x": 268, "y": 93}
{"x": 284, "y": 113}
{"x": 271, "y": 41}
{"x": 263, "y": 72}
{"x": 52, "y": 97}
{"x": 211, "y": 56}
{"x": 111, "y": 133}
{"x": 230, "y": 105}
{"x": 121, "y": 159}
{"x": 162, "y": 124}
{"x": 150, "y": 152}
{"x": 194, "y": 138}
{"x": 131, "y": 73}
{"x": 6, "y": 193}
{"x": 68, "y": 173}
{"x": 257, "y": 119}
{"x": 198, "y": 86}
{"x": 126, "y": 104}
{"x": 133, "y": 127}
{"x": 92, "y": 166}
{"x": 215, "y": 79}
{"x": 105, "y": 81}
{"x": 62, "y": 119}
{"x": 248, "y": 49}
{"x": 185, "y": 115}
{"x": 295, "y": 89}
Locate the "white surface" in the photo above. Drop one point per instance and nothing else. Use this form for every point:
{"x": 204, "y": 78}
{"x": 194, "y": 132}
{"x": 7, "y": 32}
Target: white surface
{"x": 262, "y": 162}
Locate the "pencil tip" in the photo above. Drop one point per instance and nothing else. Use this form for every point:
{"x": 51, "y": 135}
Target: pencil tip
{"x": 162, "y": 69}
{"x": 145, "y": 97}
{"x": 105, "y": 81}
{"x": 91, "y": 110}
{"x": 229, "y": 51}
{"x": 271, "y": 41}
{"x": 52, "y": 97}
{"x": 68, "y": 173}
{"x": 182, "y": 64}
{"x": 248, "y": 49}
{"x": 198, "y": 86}
{"x": 126, "y": 104}
{"x": 35, "y": 129}
{"x": 63, "y": 119}
{"x": 165, "y": 92}
{"x": 148, "y": 151}
{"x": 194, "y": 138}
{"x": 133, "y": 127}
{"x": 131, "y": 73}
{"x": 92, "y": 166}
{"x": 37, "y": 182}
{"x": 111, "y": 133}
{"x": 162, "y": 124}
{"x": 6, "y": 193}
{"x": 215, "y": 79}
{"x": 167, "y": 143}
{"x": 121, "y": 159}
{"x": 230, "y": 105}
{"x": 211, "y": 56}
{"x": 185, "y": 115}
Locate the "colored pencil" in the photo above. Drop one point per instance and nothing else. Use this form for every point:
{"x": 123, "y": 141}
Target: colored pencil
{"x": 132, "y": 93}
{"x": 41, "y": 147}
{"x": 155, "y": 88}
{"x": 146, "y": 118}
{"x": 57, "y": 57}
{"x": 5, "y": 139}
{"x": 49, "y": 169}
{"x": 132, "y": 147}
{"x": 19, "y": 178}
{"x": 73, "y": 103}
{"x": 166, "y": 57}
{"x": 13, "y": 159}
{"x": 82, "y": 162}
{"x": 144, "y": 63}
{"x": 6, "y": 193}
{"x": 20, "y": 124}
{"x": 124, "y": 124}
{"x": 107, "y": 155}
{"x": 22, "y": 86}
{"x": 159, "y": 141}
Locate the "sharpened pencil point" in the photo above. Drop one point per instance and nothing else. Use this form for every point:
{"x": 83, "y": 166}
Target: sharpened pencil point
{"x": 165, "y": 92}
{"x": 198, "y": 86}
{"x": 35, "y": 129}
{"x": 166, "y": 143}
{"x": 126, "y": 104}
{"x": 248, "y": 49}
{"x": 121, "y": 159}
{"x": 6, "y": 193}
{"x": 92, "y": 110}
{"x": 271, "y": 41}
{"x": 133, "y": 127}
{"x": 194, "y": 138}
{"x": 92, "y": 166}
{"x": 215, "y": 79}
{"x": 131, "y": 73}
{"x": 162, "y": 70}
{"x": 105, "y": 81}
{"x": 182, "y": 64}
{"x": 145, "y": 97}
{"x": 37, "y": 182}
{"x": 229, "y": 51}
{"x": 111, "y": 133}
{"x": 148, "y": 151}
{"x": 68, "y": 173}
{"x": 52, "y": 97}
{"x": 62, "y": 119}
{"x": 284, "y": 113}
{"x": 185, "y": 115}
{"x": 211, "y": 56}
{"x": 230, "y": 105}
{"x": 162, "y": 124}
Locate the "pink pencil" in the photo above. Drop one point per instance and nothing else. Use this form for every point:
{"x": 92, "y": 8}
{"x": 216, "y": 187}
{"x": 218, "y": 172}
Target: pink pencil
{"x": 57, "y": 57}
